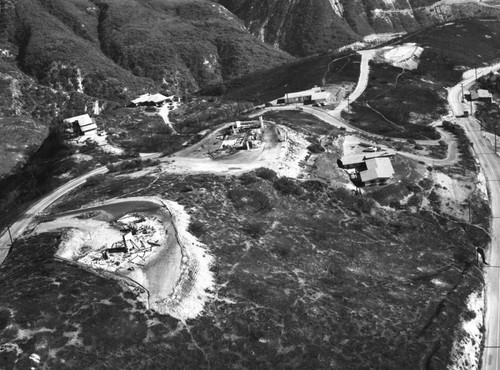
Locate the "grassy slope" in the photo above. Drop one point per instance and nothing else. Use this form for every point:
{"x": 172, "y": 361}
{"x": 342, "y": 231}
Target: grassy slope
{"x": 273, "y": 83}
{"x": 417, "y": 102}
{"x": 288, "y": 277}
{"x": 419, "y": 94}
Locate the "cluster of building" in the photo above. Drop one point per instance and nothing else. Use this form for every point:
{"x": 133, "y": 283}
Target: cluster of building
{"x": 369, "y": 169}
{"x": 84, "y": 125}
{"x": 139, "y": 240}
{"x": 240, "y": 136}
{"x": 316, "y": 95}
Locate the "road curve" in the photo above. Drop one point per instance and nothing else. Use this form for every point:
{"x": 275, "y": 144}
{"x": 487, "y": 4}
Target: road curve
{"x": 18, "y": 227}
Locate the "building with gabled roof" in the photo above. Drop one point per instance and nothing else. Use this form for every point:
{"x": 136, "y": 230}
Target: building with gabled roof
{"x": 356, "y": 160}
{"x": 150, "y": 100}
{"x": 378, "y": 171}
{"x": 82, "y": 125}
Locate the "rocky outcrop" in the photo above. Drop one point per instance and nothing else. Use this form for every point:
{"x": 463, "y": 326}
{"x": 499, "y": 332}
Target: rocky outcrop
{"x": 305, "y": 27}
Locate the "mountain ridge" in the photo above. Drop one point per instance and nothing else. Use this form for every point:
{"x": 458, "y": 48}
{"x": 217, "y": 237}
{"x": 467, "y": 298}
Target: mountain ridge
{"x": 303, "y": 27}
{"x": 130, "y": 45}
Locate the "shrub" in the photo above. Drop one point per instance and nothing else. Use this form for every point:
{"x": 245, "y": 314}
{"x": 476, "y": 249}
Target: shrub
{"x": 95, "y": 180}
{"x": 247, "y": 179}
{"x": 197, "y": 228}
{"x": 255, "y": 199}
{"x": 434, "y": 199}
{"x": 414, "y": 188}
{"x": 414, "y": 200}
{"x": 426, "y": 183}
{"x": 286, "y": 185}
{"x": 316, "y": 148}
{"x": 266, "y": 173}
{"x": 132, "y": 164}
{"x": 355, "y": 203}
{"x": 281, "y": 250}
{"x": 255, "y": 229}
{"x": 314, "y": 186}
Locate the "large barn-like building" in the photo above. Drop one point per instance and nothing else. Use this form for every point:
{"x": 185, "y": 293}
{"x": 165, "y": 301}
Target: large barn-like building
{"x": 150, "y": 100}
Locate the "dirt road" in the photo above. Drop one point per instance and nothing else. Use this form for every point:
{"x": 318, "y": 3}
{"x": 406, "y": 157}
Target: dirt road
{"x": 18, "y": 227}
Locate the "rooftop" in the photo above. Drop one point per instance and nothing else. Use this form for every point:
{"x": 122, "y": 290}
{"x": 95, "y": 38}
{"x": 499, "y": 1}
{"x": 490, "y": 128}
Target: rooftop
{"x": 377, "y": 168}
{"x": 360, "y": 158}
{"x": 83, "y": 120}
{"x": 155, "y": 98}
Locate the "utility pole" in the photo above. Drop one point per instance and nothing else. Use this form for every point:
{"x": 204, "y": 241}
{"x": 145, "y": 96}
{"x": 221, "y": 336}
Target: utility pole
{"x": 495, "y": 137}
{"x": 10, "y": 235}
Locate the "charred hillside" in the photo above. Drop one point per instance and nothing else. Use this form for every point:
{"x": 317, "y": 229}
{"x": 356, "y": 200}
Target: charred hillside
{"x": 109, "y": 48}
{"x": 305, "y": 27}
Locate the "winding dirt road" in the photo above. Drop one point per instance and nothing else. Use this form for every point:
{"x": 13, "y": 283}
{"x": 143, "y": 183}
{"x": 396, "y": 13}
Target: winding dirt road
{"x": 18, "y": 227}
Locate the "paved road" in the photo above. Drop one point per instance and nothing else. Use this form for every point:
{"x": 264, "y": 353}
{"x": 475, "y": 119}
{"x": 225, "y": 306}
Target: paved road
{"x": 364, "y": 74}
{"x": 490, "y": 164}
{"x": 20, "y": 225}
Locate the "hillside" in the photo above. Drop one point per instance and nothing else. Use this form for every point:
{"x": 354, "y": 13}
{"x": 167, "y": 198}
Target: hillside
{"x": 306, "y": 27}
{"x": 290, "y": 270}
{"x": 110, "y": 48}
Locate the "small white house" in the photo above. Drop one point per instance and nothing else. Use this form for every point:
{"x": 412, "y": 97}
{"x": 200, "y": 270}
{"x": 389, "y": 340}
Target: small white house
{"x": 82, "y": 125}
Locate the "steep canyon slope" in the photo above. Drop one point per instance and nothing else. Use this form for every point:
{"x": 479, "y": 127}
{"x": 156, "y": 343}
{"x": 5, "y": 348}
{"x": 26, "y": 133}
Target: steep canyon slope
{"x": 305, "y": 27}
{"x": 107, "y": 47}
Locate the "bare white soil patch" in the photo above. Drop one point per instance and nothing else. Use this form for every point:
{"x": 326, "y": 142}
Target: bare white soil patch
{"x": 159, "y": 253}
{"x": 454, "y": 194}
{"x": 164, "y": 111}
{"x": 405, "y": 56}
{"x": 195, "y": 279}
{"x": 466, "y": 349}
{"x": 283, "y": 157}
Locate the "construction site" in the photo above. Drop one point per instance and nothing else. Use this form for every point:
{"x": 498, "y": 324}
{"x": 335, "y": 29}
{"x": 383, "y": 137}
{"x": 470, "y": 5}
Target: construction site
{"x": 141, "y": 237}
{"x": 237, "y": 136}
